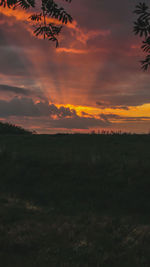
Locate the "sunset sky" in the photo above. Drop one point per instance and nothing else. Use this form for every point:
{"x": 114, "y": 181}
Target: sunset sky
{"x": 93, "y": 81}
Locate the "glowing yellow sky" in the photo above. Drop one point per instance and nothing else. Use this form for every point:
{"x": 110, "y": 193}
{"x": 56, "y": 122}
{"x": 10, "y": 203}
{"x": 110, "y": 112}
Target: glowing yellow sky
{"x": 138, "y": 111}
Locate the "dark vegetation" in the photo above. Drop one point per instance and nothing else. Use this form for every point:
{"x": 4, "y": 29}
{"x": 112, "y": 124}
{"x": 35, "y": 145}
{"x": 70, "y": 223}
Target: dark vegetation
{"x": 75, "y": 200}
{"x": 142, "y": 28}
{"x": 8, "y": 128}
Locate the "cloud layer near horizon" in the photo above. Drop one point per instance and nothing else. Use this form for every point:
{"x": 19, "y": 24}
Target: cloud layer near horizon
{"x": 96, "y": 66}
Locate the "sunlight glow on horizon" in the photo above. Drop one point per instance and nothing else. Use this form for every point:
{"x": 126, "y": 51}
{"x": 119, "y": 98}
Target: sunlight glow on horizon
{"x": 139, "y": 111}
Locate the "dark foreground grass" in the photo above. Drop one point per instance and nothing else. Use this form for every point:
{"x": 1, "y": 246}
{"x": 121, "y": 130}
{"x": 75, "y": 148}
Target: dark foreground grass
{"x": 75, "y": 200}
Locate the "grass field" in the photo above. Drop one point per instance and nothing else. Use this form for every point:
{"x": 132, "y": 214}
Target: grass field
{"x": 75, "y": 200}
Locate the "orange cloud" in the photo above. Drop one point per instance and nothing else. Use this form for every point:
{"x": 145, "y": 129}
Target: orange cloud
{"x": 18, "y": 14}
{"x": 23, "y": 15}
{"x": 81, "y": 35}
{"x": 72, "y": 50}
{"x": 80, "y": 51}
{"x": 84, "y": 36}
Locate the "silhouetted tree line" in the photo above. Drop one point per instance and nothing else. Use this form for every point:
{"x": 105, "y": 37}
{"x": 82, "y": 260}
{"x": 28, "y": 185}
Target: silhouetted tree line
{"x": 48, "y": 8}
{"x": 8, "y": 128}
{"x": 142, "y": 28}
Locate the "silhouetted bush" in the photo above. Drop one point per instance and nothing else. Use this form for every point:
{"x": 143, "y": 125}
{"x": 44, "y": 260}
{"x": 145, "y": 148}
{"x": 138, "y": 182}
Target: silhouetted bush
{"x": 8, "y": 128}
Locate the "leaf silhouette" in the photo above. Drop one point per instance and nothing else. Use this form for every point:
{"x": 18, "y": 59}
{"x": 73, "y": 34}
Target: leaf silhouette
{"x": 48, "y": 8}
{"x": 142, "y": 29}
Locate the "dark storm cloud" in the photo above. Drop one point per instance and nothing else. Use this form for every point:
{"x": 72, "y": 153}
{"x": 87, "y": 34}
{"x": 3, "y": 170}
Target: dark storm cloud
{"x": 62, "y": 112}
{"x": 109, "y": 117}
{"x": 104, "y": 13}
{"x": 129, "y": 99}
{"x": 13, "y": 61}
{"x": 61, "y": 117}
{"x": 132, "y": 91}
{"x": 103, "y": 105}
{"x": 18, "y": 107}
{"x": 2, "y": 38}
{"x": 15, "y": 90}
{"x": 79, "y": 123}
{"x": 49, "y": 125}
{"x": 26, "y": 107}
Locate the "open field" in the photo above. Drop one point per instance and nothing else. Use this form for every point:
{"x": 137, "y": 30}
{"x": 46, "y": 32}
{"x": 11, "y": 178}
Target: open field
{"x": 75, "y": 200}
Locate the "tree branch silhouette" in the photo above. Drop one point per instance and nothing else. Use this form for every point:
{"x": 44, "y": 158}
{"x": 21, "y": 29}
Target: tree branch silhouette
{"x": 48, "y": 9}
{"x": 142, "y": 28}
